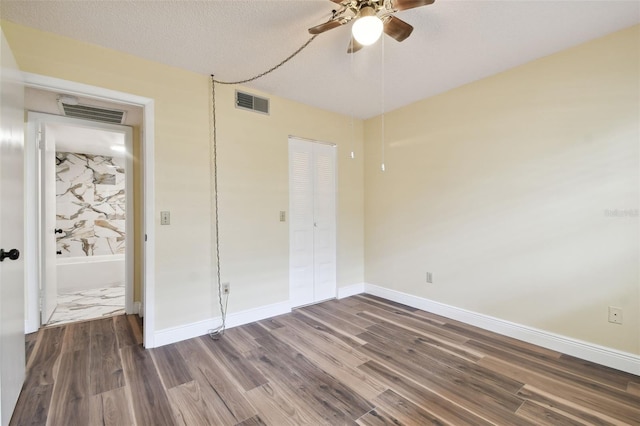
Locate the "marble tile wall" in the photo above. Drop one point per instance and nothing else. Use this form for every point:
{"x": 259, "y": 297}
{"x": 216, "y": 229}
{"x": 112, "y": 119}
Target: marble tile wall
{"x": 90, "y": 204}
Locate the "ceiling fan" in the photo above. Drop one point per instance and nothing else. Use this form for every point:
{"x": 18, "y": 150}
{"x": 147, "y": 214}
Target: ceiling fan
{"x": 371, "y": 18}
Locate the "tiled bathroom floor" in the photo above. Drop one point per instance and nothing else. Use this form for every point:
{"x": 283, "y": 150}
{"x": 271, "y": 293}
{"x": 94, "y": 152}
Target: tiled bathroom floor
{"x": 89, "y": 304}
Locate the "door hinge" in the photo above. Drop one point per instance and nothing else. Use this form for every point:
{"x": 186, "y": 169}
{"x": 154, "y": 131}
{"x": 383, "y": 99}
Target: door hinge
{"x": 41, "y": 142}
{"x": 145, "y": 237}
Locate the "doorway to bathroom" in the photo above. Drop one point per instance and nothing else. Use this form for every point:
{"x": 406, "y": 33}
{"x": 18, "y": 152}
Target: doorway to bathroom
{"x": 84, "y": 185}
{"x": 86, "y": 210}
{"x": 41, "y": 96}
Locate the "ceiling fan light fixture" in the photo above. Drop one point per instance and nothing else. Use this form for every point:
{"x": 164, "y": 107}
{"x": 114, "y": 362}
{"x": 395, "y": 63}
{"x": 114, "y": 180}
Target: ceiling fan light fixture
{"x": 368, "y": 27}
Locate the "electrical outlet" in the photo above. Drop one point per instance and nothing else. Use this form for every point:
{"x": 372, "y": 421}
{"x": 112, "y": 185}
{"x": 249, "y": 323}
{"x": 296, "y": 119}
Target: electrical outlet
{"x": 165, "y": 218}
{"x": 615, "y": 315}
{"x": 429, "y": 277}
{"x": 226, "y": 288}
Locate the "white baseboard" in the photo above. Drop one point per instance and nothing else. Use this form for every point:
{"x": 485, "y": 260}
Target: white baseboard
{"x": 257, "y": 314}
{"x": 29, "y": 327}
{"x": 350, "y": 290}
{"x": 137, "y": 309}
{"x": 200, "y": 328}
{"x": 613, "y": 358}
{"x": 584, "y": 350}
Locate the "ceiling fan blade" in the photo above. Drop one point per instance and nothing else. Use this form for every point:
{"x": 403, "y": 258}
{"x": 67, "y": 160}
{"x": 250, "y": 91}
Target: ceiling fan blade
{"x": 409, "y": 4}
{"x": 318, "y": 29}
{"x": 354, "y": 46}
{"x": 397, "y": 28}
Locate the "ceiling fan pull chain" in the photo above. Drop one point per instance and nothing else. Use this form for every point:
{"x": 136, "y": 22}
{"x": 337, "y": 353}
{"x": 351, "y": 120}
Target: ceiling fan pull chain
{"x": 382, "y": 166}
{"x": 353, "y": 132}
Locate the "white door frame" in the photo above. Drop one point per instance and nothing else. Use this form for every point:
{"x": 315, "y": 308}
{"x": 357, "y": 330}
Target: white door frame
{"x": 34, "y": 121}
{"x": 12, "y": 353}
{"x": 312, "y": 143}
{"x": 148, "y": 188}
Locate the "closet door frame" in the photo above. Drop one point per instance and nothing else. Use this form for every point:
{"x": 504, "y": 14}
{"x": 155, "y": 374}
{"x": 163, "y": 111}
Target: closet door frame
{"x": 304, "y": 272}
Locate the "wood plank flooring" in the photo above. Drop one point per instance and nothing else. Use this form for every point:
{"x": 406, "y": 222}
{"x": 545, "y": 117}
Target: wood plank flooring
{"x": 356, "y": 361}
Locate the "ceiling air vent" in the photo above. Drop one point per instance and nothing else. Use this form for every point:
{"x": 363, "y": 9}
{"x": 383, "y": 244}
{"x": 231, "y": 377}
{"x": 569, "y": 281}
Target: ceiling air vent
{"x": 252, "y": 103}
{"x": 87, "y": 112}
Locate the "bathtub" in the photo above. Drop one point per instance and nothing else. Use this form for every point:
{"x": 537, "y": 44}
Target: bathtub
{"x": 90, "y": 272}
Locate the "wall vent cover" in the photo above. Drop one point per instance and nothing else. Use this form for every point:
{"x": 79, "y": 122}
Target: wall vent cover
{"x": 252, "y": 103}
{"x": 87, "y": 112}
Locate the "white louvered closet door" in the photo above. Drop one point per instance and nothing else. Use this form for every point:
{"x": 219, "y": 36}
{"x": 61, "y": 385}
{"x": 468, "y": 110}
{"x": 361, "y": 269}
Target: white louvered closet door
{"x": 324, "y": 222}
{"x": 312, "y": 227}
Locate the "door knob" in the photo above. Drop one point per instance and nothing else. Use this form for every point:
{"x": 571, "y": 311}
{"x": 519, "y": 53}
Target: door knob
{"x": 58, "y": 231}
{"x": 12, "y": 254}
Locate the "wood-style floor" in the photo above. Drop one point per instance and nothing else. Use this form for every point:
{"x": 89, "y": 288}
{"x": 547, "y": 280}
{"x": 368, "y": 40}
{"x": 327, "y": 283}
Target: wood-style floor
{"x": 360, "y": 360}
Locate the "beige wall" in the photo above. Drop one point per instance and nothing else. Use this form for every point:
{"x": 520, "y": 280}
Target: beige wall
{"x": 253, "y": 152}
{"x": 253, "y": 176}
{"x": 499, "y": 188}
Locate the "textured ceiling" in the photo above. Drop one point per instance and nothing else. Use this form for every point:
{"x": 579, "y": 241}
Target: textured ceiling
{"x": 454, "y": 42}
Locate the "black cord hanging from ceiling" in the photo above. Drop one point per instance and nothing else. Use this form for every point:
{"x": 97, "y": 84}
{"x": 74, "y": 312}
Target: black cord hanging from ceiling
{"x": 270, "y": 70}
{"x": 216, "y": 333}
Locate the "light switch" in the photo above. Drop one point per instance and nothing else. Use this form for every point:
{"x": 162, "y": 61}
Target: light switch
{"x": 283, "y": 216}
{"x": 165, "y": 218}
